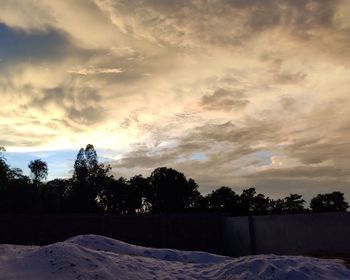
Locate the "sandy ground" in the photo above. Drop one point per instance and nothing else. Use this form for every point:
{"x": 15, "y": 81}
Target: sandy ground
{"x": 98, "y": 257}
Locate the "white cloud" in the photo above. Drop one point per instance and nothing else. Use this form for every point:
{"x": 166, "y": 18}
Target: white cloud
{"x": 93, "y": 70}
{"x": 231, "y": 80}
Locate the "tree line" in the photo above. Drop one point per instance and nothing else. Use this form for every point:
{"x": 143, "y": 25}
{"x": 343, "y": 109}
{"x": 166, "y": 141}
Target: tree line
{"x": 92, "y": 189}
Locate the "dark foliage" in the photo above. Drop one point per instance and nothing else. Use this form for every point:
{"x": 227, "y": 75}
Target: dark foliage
{"x": 224, "y": 200}
{"x": 329, "y": 202}
{"x": 39, "y": 170}
{"x": 170, "y": 191}
{"x": 92, "y": 189}
{"x": 89, "y": 179}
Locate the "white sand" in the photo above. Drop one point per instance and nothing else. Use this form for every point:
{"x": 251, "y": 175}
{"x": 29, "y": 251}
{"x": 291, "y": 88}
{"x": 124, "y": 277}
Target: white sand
{"x": 98, "y": 257}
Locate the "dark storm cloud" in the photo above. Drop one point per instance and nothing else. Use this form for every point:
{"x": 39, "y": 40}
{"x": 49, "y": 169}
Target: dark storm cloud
{"x": 226, "y": 100}
{"x": 19, "y": 48}
{"x": 46, "y": 47}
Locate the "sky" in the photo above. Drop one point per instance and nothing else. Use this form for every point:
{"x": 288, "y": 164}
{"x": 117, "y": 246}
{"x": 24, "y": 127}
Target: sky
{"x": 241, "y": 93}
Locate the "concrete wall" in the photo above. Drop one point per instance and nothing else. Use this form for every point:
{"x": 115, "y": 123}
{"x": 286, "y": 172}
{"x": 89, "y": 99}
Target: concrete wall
{"x": 235, "y": 236}
{"x": 326, "y": 233}
{"x": 188, "y": 232}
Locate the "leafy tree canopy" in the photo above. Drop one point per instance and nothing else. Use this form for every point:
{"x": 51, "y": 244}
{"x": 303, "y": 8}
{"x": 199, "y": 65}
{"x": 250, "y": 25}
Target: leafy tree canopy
{"x": 38, "y": 169}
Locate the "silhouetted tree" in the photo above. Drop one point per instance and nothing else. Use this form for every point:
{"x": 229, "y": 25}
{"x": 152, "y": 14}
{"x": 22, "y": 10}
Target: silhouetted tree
{"x": 4, "y": 181}
{"x": 93, "y": 189}
{"x": 124, "y": 197}
{"x": 80, "y": 167}
{"x": 39, "y": 170}
{"x": 171, "y": 191}
{"x": 191, "y": 195}
{"x": 246, "y": 201}
{"x": 17, "y": 195}
{"x": 223, "y": 199}
{"x": 4, "y": 169}
{"x": 139, "y": 190}
{"x": 294, "y": 203}
{"x": 202, "y": 204}
{"x": 261, "y": 204}
{"x": 89, "y": 179}
{"x": 329, "y": 202}
{"x": 112, "y": 197}
{"x": 22, "y": 196}
{"x": 51, "y": 196}
{"x": 276, "y": 206}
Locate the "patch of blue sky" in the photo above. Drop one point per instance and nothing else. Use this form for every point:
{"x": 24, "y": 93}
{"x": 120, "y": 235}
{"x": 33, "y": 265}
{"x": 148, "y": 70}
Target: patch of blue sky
{"x": 168, "y": 144}
{"x": 17, "y": 45}
{"x": 199, "y": 156}
{"x": 263, "y": 157}
{"x": 60, "y": 163}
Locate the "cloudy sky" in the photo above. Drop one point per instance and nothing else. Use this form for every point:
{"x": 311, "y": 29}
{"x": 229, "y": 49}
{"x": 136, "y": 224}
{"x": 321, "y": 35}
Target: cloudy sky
{"x": 231, "y": 92}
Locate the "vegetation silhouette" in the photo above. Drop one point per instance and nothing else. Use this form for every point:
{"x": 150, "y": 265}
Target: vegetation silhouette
{"x": 93, "y": 189}
{"x": 329, "y": 202}
{"x": 39, "y": 170}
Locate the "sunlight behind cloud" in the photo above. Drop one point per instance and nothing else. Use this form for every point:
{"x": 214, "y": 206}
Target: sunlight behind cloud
{"x": 242, "y": 92}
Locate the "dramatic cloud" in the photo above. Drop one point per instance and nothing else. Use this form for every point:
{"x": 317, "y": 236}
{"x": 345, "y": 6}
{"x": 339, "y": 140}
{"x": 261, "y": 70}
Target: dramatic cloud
{"x": 238, "y": 92}
{"x": 224, "y": 100}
